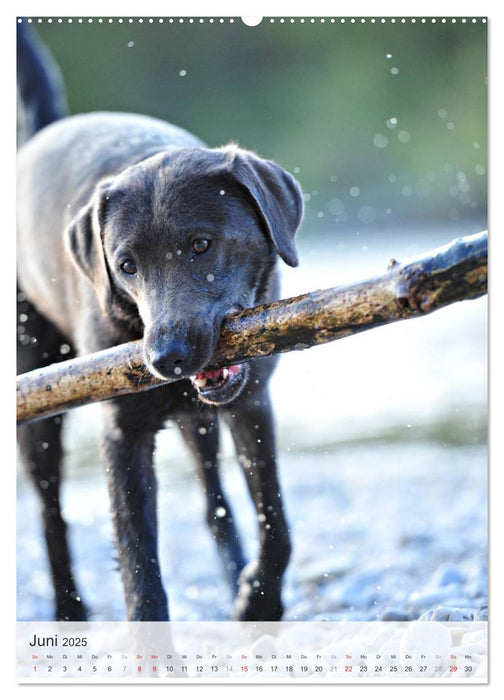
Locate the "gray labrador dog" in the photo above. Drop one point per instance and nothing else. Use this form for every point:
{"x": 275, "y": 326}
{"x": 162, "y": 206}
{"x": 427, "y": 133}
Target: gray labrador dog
{"x": 129, "y": 227}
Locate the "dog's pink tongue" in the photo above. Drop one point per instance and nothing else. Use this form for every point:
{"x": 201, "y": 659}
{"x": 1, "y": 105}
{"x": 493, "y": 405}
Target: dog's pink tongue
{"x": 217, "y": 373}
{"x": 211, "y": 374}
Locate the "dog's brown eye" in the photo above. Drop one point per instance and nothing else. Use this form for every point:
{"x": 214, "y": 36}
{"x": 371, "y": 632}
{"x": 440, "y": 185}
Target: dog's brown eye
{"x": 129, "y": 267}
{"x": 200, "y": 245}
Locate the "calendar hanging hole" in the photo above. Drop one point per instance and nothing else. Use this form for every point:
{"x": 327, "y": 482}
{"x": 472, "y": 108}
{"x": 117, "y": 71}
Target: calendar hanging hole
{"x": 251, "y": 21}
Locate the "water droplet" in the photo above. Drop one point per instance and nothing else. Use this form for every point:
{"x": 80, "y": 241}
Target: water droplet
{"x": 220, "y": 512}
{"x": 210, "y": 277}
{"x": 335, "y": 206}
{"x": 177, "y": 370}
{"x": 391, "y": 122}
{"x": 131, "y": 44}
{"x": 403, "y": 136}
{"x": 367, "y": 214}
{"x": 222, "y": 192}
{"x": 202, "y": 430}
{"x": 479, "y": 170}
{"x": 182, "y": 73}
{"x": 442, "y": 113}
{"x": 354, "y": 191}
{"x": 380, "y": 140}
{"x": 394, "y": 70}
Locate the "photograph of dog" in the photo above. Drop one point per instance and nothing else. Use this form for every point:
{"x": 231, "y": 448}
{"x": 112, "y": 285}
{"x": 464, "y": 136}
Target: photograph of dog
{"x": 130, "y": 227}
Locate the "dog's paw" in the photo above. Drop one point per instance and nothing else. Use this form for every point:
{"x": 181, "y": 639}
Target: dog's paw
{"x": 259, "y": 596}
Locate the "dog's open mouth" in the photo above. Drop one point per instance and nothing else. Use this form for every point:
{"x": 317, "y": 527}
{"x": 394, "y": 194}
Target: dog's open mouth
{"x": 220, "y": 386}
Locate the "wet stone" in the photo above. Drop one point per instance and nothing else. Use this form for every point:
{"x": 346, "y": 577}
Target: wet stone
{"x": 395, "y": 615}
{"x": 420, "y": 540}
{"x": 328, "y": 569}
{"x": 447, "y": 574}
{"x": 478, "y": 588}
{"x": 356, "y": 593}
{"x": 445, "y": 614}
{"x": 481, "y": 613}
{"x": 435, "y": 595}
{"x": 265, "y": 646}
{"x": 477, "y": 637}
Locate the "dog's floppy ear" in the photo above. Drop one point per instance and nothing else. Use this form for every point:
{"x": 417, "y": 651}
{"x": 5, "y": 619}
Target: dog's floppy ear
{"x": 84, "y": 240}
{"x": 277, "y": 198}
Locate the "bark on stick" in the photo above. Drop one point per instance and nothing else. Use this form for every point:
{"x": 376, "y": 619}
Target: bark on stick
{"x": 456, "y": 272}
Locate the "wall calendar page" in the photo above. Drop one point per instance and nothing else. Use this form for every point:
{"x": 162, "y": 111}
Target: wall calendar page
{"x": 252, "y": 349}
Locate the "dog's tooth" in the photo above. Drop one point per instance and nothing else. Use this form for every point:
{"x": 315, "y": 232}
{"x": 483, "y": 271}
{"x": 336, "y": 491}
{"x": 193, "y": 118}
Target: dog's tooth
{"x": 200, "y": 383}
{"x": 225, "y": 373}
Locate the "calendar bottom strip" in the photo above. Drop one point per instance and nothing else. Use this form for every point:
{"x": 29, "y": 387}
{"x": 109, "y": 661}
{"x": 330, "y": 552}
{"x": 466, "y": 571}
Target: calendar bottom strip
{"x": 268, "y": 652}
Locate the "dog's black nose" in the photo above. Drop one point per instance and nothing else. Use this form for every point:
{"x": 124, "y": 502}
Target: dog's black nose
{"x": 168, "y": 359}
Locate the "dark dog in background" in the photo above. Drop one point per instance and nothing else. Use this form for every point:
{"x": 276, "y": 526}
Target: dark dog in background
{"x": 129, "y": 227}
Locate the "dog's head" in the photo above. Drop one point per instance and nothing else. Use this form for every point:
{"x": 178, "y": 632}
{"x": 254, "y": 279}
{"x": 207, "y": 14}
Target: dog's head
{"x": 188, "y": 236}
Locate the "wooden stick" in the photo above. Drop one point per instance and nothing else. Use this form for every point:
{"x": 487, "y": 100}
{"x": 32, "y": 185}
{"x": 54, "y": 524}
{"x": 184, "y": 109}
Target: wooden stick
{"x": 453, "y": 273}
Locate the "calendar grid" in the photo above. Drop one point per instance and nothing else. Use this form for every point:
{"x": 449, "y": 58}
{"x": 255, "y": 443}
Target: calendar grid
{"x": 181, "y": 652}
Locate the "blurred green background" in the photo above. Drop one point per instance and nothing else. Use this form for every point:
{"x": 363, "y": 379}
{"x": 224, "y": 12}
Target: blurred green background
{"x": 384, "y": 125}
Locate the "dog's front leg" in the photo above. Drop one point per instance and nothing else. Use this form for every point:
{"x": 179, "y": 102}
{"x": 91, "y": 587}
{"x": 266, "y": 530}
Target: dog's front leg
{"x": 200, "y": 432}
{"x": 251, "y": 424}
{"x": 128, "y": 455}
